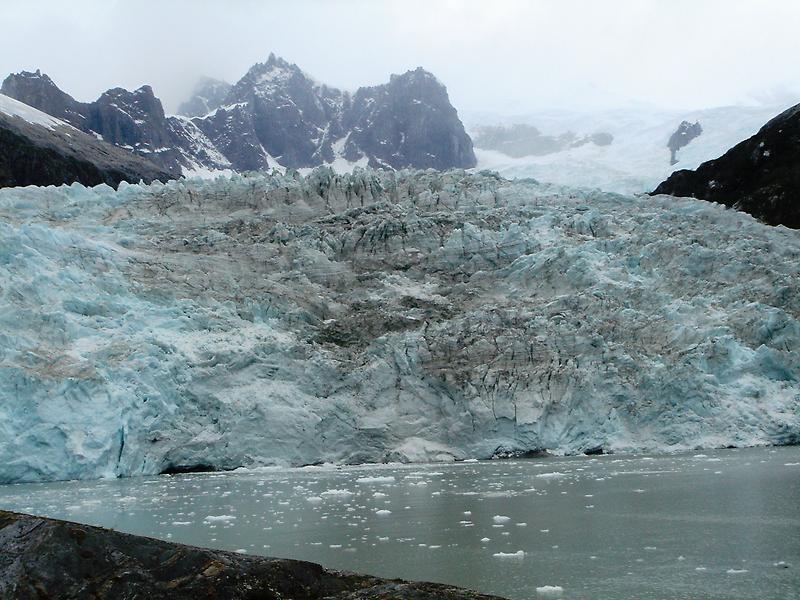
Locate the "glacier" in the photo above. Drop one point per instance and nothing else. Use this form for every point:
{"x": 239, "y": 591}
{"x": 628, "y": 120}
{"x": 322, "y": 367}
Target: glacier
{"x": 374, "y": 316}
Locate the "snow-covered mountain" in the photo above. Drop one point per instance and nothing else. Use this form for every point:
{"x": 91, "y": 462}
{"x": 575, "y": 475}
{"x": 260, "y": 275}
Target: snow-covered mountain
{"x": 638, "y": 158}
{"x": 383, "y": 316}
{"x": 38, "y": 149}
{"x": 275, "y": 116}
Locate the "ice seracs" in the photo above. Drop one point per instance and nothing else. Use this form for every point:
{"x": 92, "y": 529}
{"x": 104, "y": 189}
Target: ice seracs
{"x": 383, "y": 316}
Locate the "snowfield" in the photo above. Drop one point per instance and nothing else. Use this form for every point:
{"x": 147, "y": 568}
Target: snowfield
{"x": 380, "y": 316}
{"x": 638, "y": 158}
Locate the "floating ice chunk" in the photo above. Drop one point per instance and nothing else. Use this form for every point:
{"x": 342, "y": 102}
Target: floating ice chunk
{"x": 736, "y": 571}
{"x": 551, "y": 475}
{"x": 383, "y": 512}
{"x": 553, "y": 591}
{"x": 781, "y": 564}
{"x": 517, "y": 554}
{"x": 700, "y": 569}
{"x": 485, "y": 539}
{"x": 522, "y": 524}
{"x": 219, "y": 518}
{"x": 181, "y": 522}
{"x": 379, "y": 495}
{"x": 314, "y": 499}
{"x": 501, "y": 519}
{"x": 383, "y": 479}
{"x": 337, "y": 493}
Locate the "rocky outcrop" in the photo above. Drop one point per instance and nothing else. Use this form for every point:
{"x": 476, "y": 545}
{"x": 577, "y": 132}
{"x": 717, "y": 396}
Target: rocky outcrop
{"x": 207, "y": 95}
{"x": 60, "y": 560}
{"x": 760, "y": 176}
{"x": 39, "y": 150}
{"x": 526, "y": 140}
{"x": 684, "y": 134}
{"x": 274, "y": 116}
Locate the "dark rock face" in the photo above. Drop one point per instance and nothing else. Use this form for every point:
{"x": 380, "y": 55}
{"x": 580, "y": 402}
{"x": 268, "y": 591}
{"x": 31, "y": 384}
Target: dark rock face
{"x": 278, "y": 111}
{"x": 59, "y": 560}
{"x": 31, "y": 154}
{"x": 208, "y": 94}
{"x": 760, "y": 176}
{"x": 684, "y": 134}
{"x": 407, "y": 122}
{"x": 526, "y": 140}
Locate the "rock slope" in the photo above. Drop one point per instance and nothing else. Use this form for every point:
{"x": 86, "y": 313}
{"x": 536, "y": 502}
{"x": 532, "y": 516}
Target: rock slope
{"x": 37, "y": 149}
{"x": 134, "y": 121}
{"x": 59, "y": 560}
{"x": 760, "y": 176}
{"x": 383, "y": 316}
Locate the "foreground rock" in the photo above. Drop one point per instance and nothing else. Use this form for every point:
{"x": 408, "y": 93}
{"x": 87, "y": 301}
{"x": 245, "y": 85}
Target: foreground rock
{"x": 47, "y": 558}
{"x": 760, "y": 176}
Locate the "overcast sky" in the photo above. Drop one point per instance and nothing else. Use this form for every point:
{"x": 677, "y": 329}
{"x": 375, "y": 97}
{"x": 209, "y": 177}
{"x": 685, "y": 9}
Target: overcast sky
{"x": 499, "y": 55}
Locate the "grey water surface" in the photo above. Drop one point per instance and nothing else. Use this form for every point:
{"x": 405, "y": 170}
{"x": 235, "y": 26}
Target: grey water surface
{"x": 716, "y": 524}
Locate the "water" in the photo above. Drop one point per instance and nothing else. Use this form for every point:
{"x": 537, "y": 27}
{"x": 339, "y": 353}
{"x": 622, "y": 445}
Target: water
{"x": 710, "y": 525}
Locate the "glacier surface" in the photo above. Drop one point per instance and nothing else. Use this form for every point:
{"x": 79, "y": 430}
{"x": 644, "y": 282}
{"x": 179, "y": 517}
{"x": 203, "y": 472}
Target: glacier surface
{"x": 378, "y": 316}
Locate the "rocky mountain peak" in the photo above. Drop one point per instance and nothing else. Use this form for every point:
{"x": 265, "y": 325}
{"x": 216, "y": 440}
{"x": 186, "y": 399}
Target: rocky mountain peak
{"x": 38, "y": 90}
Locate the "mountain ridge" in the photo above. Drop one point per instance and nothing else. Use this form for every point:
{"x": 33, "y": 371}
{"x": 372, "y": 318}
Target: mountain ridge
{"x": 274, "y": 116}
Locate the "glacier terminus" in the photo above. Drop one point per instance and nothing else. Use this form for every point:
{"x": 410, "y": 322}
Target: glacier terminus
{"x": 379, "y": 316}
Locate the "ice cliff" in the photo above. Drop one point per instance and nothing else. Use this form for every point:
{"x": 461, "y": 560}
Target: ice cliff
{"x": 277, "y": 319}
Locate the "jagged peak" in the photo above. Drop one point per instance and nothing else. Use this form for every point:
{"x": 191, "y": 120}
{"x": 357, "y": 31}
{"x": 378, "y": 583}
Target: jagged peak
{"x": 415, "y": 75}
{"x": 275, "y": 72}
{"x": 32, "y": 75}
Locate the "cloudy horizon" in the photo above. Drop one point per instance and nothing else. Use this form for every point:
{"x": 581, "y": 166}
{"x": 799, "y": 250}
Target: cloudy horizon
{"x": 504, "y": 57}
